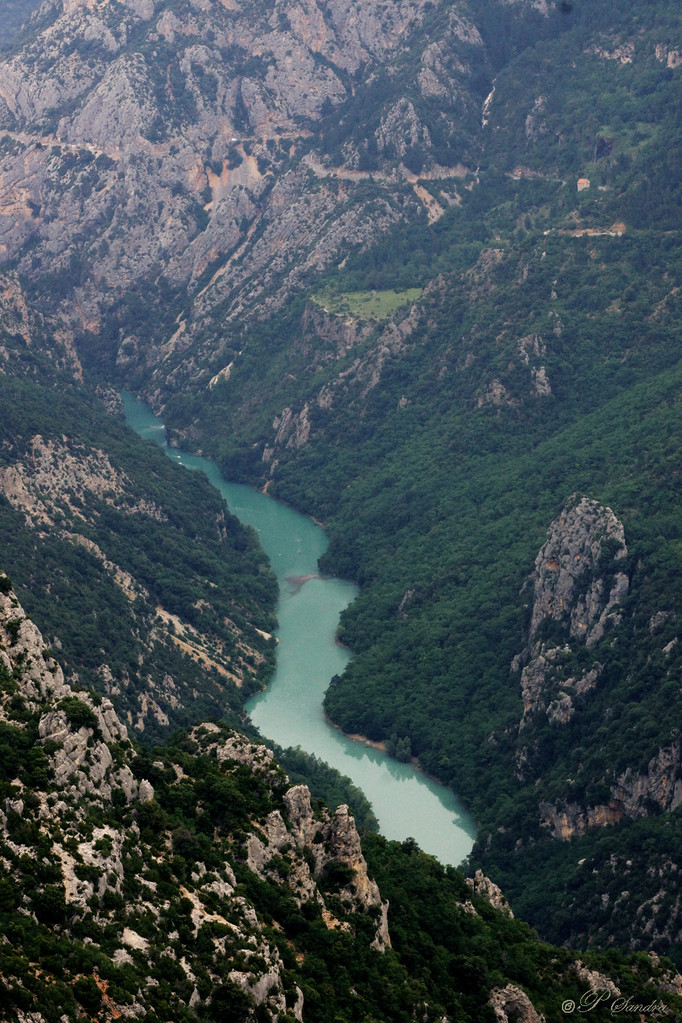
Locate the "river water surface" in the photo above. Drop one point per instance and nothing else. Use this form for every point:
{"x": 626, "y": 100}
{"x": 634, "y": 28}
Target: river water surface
{"x": 405, "y": 801}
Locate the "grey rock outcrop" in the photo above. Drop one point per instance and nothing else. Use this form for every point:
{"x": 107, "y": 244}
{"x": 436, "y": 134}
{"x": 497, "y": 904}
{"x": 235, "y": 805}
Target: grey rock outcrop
{"x": 570, "y": 578}
{"x": 578, "y": 588}
{"x": 21, "y": 644}
{"x": 660, "y": 786}
{"x": 485, "y": 888}
{"x": 297, "y": 846}
{"x": 512, "y": 1005}
{"x": 328, "y": 843}
{"x": 80, "y": 755}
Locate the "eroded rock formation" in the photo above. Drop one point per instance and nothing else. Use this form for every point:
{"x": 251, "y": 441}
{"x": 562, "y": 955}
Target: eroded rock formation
{"x": 578, "y": 588}
{"x": 140, "y": 139}
{"x": 89, "y": 757}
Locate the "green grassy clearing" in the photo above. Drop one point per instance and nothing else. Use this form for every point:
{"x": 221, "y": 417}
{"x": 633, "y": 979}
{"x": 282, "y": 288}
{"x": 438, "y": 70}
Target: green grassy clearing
{"x": 367, "y": 305}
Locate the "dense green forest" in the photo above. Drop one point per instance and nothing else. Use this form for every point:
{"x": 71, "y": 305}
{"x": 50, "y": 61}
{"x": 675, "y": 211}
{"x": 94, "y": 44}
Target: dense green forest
{"x": 157, "y": 907}
{"x": 545, "y": 362}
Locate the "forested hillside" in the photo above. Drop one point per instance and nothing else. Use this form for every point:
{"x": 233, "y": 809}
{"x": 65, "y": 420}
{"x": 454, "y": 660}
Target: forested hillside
{"x": 416, "y": 268}
{"x": 195, "y": 882}
{"x": 164, "y": 602}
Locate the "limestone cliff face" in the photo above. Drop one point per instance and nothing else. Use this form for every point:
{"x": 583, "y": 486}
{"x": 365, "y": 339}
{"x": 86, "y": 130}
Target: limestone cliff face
{"x": 23, "y": 648}
{"x": 302, "y": 849}
{"x": 512, "y": 1005}
{"x": 569, "y": 582}
{"x": 633, "y": 794}
{"x": 487, "y": 889}
{"x": 55, "y": 475}
{"x": 100, "y": 818}
{"x": 570, "y": 819}
{"x": 78, "y": 729}
{"x": 578, "y": 587}
{"x": 333, "y": 849}
{"x": 147, "y": 138}
{"x": 656, "y": 789}
{"x": 338, "y": 333}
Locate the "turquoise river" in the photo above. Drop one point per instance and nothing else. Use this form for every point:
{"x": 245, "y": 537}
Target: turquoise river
{"x": 405, "y": 801}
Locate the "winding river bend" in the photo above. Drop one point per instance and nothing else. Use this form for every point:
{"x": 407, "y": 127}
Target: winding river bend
{"x": 405, "y": 801}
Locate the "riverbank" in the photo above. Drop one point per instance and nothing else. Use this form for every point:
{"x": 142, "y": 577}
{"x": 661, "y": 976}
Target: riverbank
{"x": 405, "y": 801}
{"x": 356, "y": 737}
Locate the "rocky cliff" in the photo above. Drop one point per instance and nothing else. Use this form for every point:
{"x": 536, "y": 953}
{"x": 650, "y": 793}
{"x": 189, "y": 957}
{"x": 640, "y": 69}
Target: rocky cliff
{"x": 103, "y": 839}
{"x": 635, "y": 793}
{"x": 579, "y": 587}
{"x": 196, "y": 883}
{"x": 78, "y": 730}
{"x": 577, "y": 593}
{"x": 164, "y": 142}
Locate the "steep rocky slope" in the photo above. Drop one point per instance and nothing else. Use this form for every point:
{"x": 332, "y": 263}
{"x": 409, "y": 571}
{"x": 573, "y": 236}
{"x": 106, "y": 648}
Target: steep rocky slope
{"x": 577, "y": 591}
{"x": 103, "y": 839}
{"x": 102, "y": 540}
{"x": 201, "y": 885}
{"x": 578, "y": 587}
{"x": 166, "y": 143}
